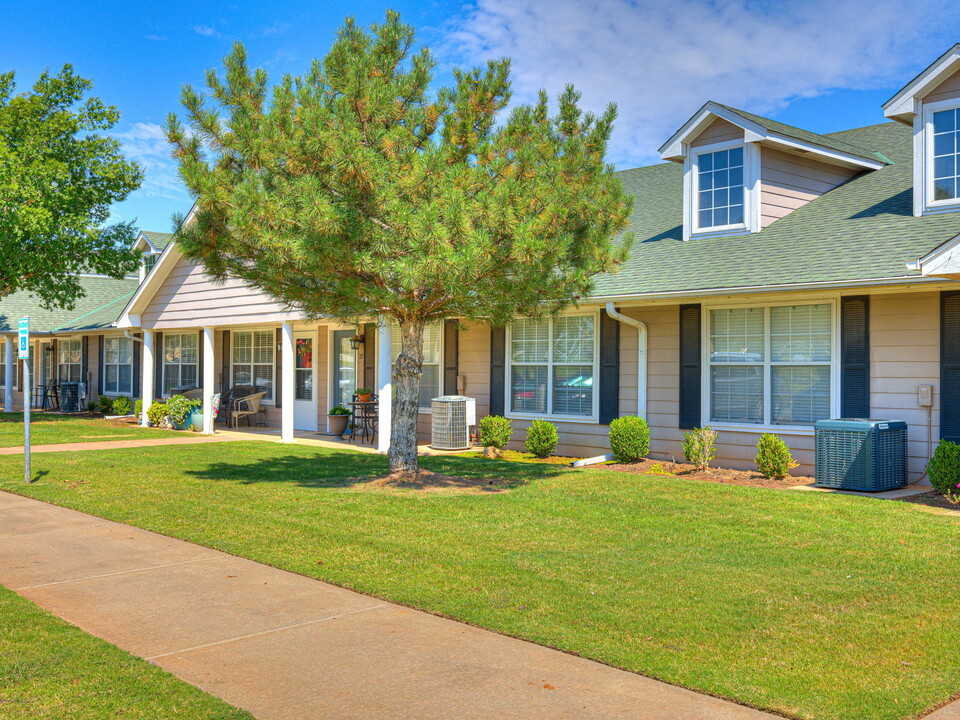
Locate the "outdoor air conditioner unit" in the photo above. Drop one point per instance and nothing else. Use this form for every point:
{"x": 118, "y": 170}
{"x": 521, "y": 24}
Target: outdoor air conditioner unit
{"x": 858, "y": 454}
{"x": 452, "y": 417}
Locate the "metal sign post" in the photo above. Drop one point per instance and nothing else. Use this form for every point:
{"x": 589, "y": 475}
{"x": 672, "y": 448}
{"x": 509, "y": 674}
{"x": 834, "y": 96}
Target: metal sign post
{"x": 23, "y": 353}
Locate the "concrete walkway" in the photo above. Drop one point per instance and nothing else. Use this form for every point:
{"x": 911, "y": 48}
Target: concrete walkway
{"x": 286, "y": 647}
{"x": 119, "y": 444}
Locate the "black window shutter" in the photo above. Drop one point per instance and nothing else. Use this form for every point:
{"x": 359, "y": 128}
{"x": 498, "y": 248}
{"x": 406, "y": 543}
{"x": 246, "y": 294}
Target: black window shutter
{"x": 100, "y": 368}
{"x": 225, "y": 380}
{"x": 498, "y": 369}
{"x": 609, "y": 369}
{"x": 370, "y": 356}
{"x": 158, "y": 365}
{"x": 950, "y": 366}
{"x": 690, "y": 358}
{"x": 200, "y": 359}
{"x": 855, "y": 356}
{"x": 451, "y": 347}
{"x": 137, "y": 350}
{"x": 85, "y": 363}
{"x": 278, "y": 372}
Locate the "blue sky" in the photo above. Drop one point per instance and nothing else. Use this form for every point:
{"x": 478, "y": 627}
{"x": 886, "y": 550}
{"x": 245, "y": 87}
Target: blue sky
{"x": 819, "y": 64}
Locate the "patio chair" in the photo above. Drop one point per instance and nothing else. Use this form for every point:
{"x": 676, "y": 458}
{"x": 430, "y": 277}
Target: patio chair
{"x": 245, "y": 407}
{"x": 228, "y": 398}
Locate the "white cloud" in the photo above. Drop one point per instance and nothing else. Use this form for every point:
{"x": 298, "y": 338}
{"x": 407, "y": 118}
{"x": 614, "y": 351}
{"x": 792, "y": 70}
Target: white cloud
{"x": 147, "y": 144}
{"x": 660, "y": 60}
{"x": 206, "y": 31}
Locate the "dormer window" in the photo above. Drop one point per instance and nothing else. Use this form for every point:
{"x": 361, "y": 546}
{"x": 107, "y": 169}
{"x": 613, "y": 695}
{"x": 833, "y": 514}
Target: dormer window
{"x": 945, "y": 131}
{"x": 720, "y": 190}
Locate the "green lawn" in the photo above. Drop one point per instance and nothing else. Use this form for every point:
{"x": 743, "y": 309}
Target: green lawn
{"x": 48, "y": 429}
{"x": 50, "y": 669}
{"x": 811, "y": 605}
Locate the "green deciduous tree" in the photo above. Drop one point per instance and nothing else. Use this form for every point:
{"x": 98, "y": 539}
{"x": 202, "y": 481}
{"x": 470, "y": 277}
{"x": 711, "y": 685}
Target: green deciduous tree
{"x": 354, "y": 192}
{"x": 58, "y": 178}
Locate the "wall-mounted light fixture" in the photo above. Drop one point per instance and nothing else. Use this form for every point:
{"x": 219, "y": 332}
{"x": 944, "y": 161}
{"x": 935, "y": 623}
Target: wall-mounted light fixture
{"x": 356, "y": 342}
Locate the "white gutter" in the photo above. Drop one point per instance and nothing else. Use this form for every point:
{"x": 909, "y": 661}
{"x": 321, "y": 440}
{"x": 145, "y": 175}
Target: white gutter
{"x": 126, "y": 334}
{"x": 641, "y": 375}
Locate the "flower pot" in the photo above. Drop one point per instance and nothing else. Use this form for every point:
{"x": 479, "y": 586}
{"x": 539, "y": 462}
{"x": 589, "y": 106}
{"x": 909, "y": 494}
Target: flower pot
{"x": 185, "y": 425}
{"x": 338, "y": 423}
{"x": 196, "y": 420}
{"x": 364, "y": 398}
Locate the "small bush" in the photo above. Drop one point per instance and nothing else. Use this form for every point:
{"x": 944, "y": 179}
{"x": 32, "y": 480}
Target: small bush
{"x": 944, "y": 469}
{"x": 138, "y": 408}
{"x": 122, "y": 405}
{"x": 179, "y": 408}
{"x": 91, "y": 406}
{"x": 773, "y": 457}
{"x": 629, "y": 438}
{"x": 542, "y": 438}
{"x": 495, "y": 431}
{"x": 157, "y": 413}
{"x": 700, "y": 447}
{"x": 106, "y": 405}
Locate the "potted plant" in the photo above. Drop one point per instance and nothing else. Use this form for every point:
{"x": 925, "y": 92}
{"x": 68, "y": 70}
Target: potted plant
{"x": 179, "y": 409}
{"x": 196, "y": 416}
{"x": 363, "y": 394}
{"x": 338, "y": 418}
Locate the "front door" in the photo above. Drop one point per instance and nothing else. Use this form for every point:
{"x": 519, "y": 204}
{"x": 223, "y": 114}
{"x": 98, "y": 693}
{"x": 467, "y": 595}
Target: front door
{"x": 344, "y": 368}
{"x": 305, "y": 391}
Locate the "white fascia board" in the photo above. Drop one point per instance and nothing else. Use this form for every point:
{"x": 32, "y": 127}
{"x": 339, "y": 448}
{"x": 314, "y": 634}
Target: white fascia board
{"x": 148, "y": 288}
{"x": 903, "y": 105}
{"x": 833, "y": 156}
{"x": 944, "y": 260}
{"x": 142, "y": 243}
{"x": 676, "y": 147}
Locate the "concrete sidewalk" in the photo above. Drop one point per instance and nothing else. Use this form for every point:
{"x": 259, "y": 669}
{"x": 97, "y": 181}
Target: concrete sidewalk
{"x": 286, "y": 647}
{"x": 120, "y": 444}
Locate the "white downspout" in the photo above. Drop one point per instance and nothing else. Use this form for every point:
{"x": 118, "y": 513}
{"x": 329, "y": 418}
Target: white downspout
{"x": 641, "y": 374}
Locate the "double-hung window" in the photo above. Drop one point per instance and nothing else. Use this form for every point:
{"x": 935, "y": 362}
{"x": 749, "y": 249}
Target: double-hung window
{"x": 253, "y": 359}
{"x": 430, "y": 381}
{"x": 179, "y": 361}
{"x": 720, "y": 190}
{"x": 553, "y": 365}
{"x": 944, "y": 156}
{"x": 770, "y": 365}
{"x": 118, "y": 366}
{"x": 70, "y": 360}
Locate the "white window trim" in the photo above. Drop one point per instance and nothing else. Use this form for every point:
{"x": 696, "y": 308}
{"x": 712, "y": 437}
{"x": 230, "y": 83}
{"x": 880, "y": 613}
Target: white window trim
{"x": 751, "y": 190}
{"x": 233, "y": 337}
{"x": 162, "y": 357}
{"x": 421, "y": 409}
{"x": 78, "y": 338}
{"x": 705, "y": 389}
{"x": 594, "y": 417}
{"x": 103, "y": 352}
{"x": 929, "y": 205}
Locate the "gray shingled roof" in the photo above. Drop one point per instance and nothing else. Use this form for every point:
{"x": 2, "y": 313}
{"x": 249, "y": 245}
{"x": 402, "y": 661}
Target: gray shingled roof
{"x": 862, "y": 230}
{"x": 158, "y": 239}
{"x": 99, "y": 308}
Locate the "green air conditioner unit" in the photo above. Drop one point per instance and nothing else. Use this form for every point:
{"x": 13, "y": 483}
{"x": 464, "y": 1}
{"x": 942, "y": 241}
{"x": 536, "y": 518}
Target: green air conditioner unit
{"x": 859, "y": 454}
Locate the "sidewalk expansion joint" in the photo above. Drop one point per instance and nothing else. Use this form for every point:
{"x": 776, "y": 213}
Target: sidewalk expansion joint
{"x": 119, "y": 572}
{"x": 266, "y": 632}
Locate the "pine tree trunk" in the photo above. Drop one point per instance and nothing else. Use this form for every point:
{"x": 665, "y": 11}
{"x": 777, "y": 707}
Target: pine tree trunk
{"x": 407, "y": 371}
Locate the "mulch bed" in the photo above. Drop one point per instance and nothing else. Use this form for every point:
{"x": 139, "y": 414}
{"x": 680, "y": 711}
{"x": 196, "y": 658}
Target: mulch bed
{"x": 712, "y": 474}
{"x": 429, "y": 481}
{"x": 932, "y": 499}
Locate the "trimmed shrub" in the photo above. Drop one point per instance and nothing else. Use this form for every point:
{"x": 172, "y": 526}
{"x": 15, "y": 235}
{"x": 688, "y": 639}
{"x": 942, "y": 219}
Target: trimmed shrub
{"x": 542, "y": 438}
{"x": 944, "y": 468}
{"x": 495, "y": 431}
{"x": 91, "y": 406}
{"x": 122, "y": 405}
{"x": 773, "y": 457}
{"x": 157, "y": 413}
{"x": 106, "y": 405}
{"x": 138, "y": 408}
{"x": 629, "y": 438}
{"x": 700, "y": 447}
{"x": 179, "y": 408}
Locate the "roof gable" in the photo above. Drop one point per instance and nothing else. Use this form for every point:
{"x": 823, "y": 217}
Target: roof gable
{"x": 903, "y": 106}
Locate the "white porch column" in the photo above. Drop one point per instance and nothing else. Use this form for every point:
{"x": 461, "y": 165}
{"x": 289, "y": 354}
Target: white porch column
{"x": 384, "y": 384}
{"x": 288, "y": 361}
{"x": 209, "y": 376}
{"x": 8, "y": 352}
{"x": 146, "y": 381}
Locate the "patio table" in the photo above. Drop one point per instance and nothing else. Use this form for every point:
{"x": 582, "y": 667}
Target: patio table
{"x": 365, "y": 416}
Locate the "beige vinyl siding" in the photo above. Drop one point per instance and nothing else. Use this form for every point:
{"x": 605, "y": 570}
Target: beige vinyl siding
{"x": 321, "y": 357}
{"x": 949, "y": 89}
{"x": 93, "y": 366}
{"x": 789, "y": 181}
{"x": 718, "y": 131}
{"x": 904, "y": 354}
{"x": 188, "y": 298}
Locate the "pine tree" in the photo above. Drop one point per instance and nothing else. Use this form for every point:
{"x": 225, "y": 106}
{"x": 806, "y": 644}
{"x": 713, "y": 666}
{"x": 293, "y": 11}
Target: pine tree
{"x": 354, "y": 192}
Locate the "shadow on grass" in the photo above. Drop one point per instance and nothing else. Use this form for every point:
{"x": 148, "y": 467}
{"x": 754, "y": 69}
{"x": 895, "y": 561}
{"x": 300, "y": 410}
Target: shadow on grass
{"x": 339, "y": 469}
